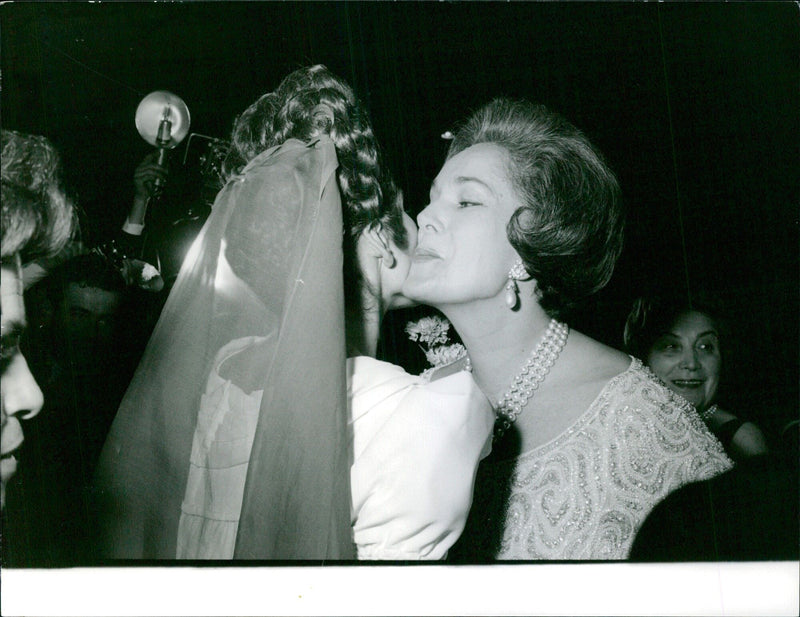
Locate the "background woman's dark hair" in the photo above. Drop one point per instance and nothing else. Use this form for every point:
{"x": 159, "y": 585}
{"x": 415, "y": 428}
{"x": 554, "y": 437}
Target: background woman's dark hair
{"x": 569, "y": 231}
{"x": 37, "y": 216}
{"x": 652, "y": 316}
{"x": 300, "y": 108}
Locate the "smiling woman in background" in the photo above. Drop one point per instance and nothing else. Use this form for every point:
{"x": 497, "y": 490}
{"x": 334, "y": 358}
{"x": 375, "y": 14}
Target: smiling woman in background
{"x": 683, "y": 345}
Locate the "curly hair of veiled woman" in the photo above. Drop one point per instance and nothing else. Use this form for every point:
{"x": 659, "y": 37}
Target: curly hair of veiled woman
{"x": 313, "y": 101}
{"x": 37, "y": 216}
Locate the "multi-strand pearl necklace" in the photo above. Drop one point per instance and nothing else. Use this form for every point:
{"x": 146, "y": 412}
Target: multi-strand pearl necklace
{"x": 530, "y": 377}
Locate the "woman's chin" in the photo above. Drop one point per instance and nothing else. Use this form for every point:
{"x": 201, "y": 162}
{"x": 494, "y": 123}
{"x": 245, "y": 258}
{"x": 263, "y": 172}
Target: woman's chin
{"x": 414, "y": 291}
{"x": 692, "y": 396}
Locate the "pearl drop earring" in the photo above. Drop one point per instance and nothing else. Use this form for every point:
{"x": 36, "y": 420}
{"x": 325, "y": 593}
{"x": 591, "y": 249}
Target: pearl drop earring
{"x": 516, "y": 272}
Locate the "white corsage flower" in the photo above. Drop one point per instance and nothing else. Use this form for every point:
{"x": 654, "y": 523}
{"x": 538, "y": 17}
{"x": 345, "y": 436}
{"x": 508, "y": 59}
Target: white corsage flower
{"x": 445, "y": 354}
{"x": 431, "y": 333}
{"x": 428, "y": 330}
{"x": 149, "y": 272}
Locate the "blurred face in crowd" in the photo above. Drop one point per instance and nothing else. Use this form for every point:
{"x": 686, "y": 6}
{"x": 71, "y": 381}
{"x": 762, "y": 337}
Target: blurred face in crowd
{"x": 20, "y": 396}
{"x": 88, "y": 316}
{"x": 687, "y": 358}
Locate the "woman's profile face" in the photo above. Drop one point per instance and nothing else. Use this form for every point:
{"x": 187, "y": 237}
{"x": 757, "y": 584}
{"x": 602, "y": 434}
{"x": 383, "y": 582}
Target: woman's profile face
{"x": 687, "y": 358}
{"x": 463, "y": 253}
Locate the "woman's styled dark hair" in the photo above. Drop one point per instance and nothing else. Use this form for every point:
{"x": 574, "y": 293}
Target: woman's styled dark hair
{"x": 652, "y": 316}
{"x": 37, "y": 217}
{"x": 308, "y": 103}
{"x": 569, "y": 231}
{"x": 301, "y": 107}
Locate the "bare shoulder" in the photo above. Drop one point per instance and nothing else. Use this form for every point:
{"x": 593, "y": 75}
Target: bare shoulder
{"x": 749, "y": 440}
{"x": 581, "y": 373}
{"x": 593, "y": 361}
{"x": 579, "y": 376}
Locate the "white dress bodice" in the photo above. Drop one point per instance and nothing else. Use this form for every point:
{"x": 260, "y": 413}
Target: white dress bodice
{"x": 416, "y": 445}
{"x": 416, "y": 449}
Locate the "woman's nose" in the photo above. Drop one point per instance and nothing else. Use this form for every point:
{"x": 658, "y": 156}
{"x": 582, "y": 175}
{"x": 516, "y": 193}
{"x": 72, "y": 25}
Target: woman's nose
{"x": 21, "y": 394}
{"x": 689, "y": 359}
{"x": 426, "y": 220}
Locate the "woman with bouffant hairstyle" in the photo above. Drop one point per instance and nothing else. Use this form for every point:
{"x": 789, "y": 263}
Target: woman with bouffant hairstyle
{"x": 524, "y": 222}
{"x": 569, "y": 230}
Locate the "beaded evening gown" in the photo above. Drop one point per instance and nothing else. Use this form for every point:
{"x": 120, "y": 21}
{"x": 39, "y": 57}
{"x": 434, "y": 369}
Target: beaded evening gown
{"x": 585, "y": 494}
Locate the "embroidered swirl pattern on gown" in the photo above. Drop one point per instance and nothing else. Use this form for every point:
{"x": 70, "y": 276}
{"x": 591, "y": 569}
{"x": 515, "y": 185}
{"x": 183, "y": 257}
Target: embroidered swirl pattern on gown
{"x": 584, "y": 494}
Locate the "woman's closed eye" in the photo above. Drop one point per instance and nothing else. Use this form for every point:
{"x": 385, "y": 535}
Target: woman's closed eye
{"x": 668, "y": 346}
{"x": 9, "y": 348}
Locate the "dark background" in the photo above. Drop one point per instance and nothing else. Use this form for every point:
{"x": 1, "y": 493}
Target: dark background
{"x": 695, "y": 106}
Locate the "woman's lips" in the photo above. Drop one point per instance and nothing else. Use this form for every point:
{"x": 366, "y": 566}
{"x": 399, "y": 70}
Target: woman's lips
{"x": 12, "y": 437}
{"x": 8, "y": 462}
{"x": 8, "y": 467}
{"x": 423, "y": 254}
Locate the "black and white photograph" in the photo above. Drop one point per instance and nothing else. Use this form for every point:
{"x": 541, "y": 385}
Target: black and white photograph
{"x": 371, "y": 307}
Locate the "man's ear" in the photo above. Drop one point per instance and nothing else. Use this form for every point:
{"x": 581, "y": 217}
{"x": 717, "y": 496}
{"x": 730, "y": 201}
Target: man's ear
{"x": 379, "y": 246}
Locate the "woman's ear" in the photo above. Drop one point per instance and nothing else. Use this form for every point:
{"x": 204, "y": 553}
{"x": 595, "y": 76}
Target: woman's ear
{"x": 323, "y": 117}
{"x": 375, "y": 238}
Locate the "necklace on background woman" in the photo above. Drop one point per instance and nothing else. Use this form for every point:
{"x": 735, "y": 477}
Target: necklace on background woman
{"x": 708, "y": 413}
{"x": 530, "y": 377}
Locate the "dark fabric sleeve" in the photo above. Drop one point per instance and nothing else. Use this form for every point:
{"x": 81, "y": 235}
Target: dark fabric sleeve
{"x": 130, "y": 244}
{"x": 727, "y": 430}
{"x": 749, "y": 513}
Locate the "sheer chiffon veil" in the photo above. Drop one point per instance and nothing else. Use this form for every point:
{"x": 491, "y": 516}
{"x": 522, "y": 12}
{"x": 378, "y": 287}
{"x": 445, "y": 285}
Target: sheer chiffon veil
{"x": 265, "y": 273}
